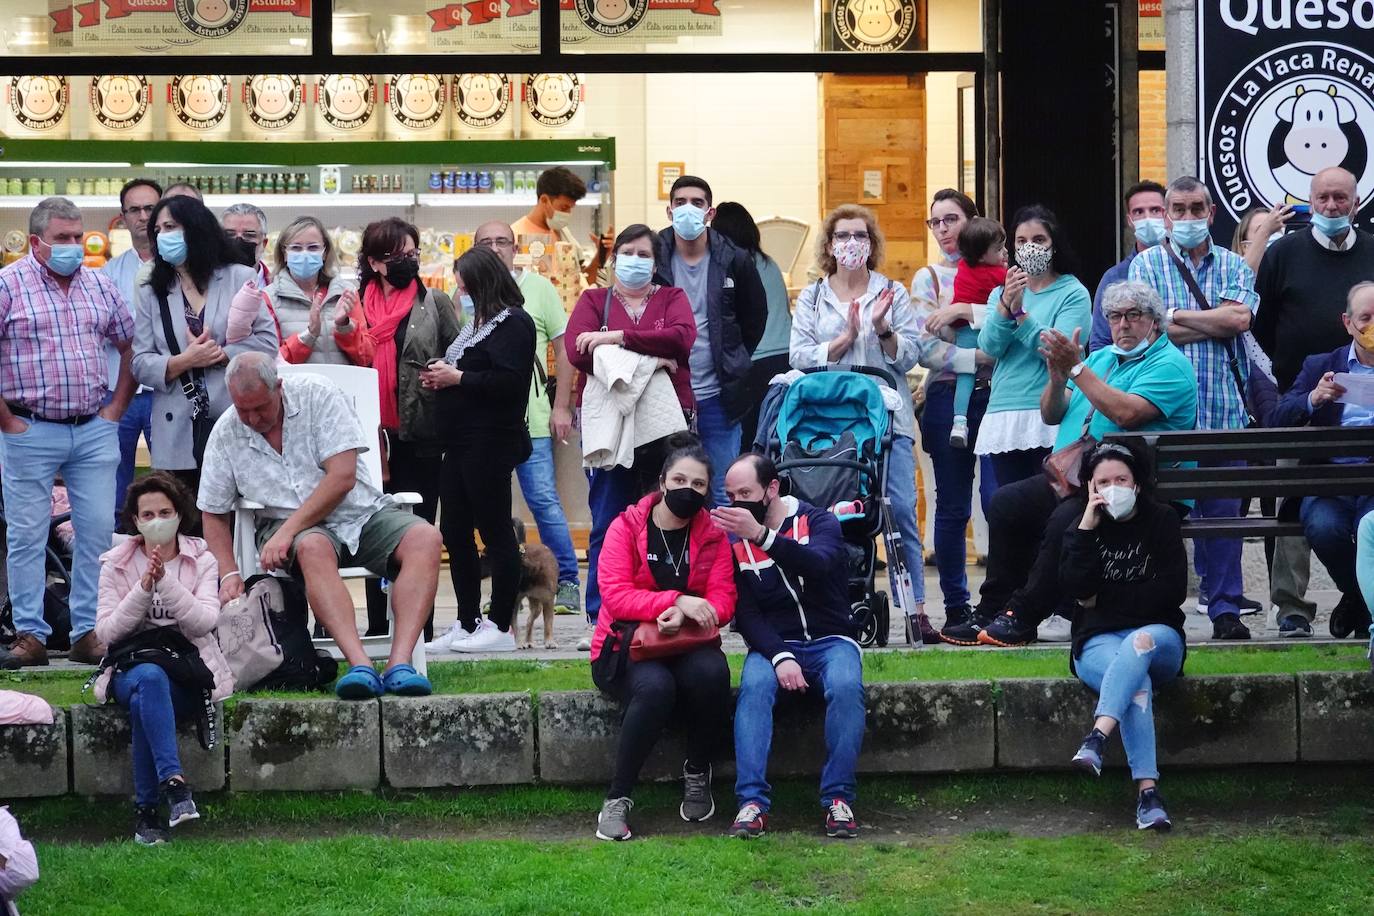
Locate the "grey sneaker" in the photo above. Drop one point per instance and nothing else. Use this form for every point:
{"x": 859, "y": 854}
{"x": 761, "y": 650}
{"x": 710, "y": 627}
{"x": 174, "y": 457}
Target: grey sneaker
{"x": 697, "y": 803}
{"x": 181, "y": 807}
{"x": 569, "y": 599}
{"x": 148, "y": 829}
{"x": 613, "y": 823}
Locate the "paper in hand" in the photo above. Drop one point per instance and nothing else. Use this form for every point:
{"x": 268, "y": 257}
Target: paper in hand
{"x": 1359, "y": 389}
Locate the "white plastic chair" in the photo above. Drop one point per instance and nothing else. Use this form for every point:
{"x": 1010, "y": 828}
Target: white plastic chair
{"x": 783, "y": 240}
{"x": 359, "y": 385}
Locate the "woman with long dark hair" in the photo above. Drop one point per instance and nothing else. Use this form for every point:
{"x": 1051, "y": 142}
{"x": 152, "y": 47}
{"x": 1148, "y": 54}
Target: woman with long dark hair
{"x": 483, "y": 383}
{"x": 409, "y": 325}
{"x": 191, "y": 288}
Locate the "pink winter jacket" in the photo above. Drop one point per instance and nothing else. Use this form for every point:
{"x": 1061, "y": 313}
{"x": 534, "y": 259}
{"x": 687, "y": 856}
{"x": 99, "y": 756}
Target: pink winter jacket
{"x": 189, "y": 599}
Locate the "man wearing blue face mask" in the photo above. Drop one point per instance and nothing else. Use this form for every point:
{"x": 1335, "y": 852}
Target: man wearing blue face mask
{"x": 55, "y": 318}
{"x": 1209, "y": 295}
{"x": 731, "y": 309}
{"x": 1145, "y": 221}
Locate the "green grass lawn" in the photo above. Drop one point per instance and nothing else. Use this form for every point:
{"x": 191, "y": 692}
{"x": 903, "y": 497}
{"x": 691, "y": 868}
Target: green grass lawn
{"x": 498, "y": 676}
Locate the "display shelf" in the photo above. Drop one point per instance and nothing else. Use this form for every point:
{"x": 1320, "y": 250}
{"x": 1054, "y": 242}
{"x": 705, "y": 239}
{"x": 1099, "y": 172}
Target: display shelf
{"x": 435, "y": 153}
{"x": 309, "y": 201}
{"x": 313, "y": 201}
{"x": 494, "y": 200}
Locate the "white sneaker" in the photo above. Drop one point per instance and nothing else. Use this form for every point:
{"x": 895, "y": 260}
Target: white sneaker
{"x": 445, "y": 642}
{"x": 585, "y": 643}
{"x": 1054, "y": 629}
{"x": 958, "y": 433}
{"x": 487, "y": 638}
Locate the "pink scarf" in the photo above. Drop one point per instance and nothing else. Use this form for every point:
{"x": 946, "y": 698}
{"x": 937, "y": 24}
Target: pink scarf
{"x": 385, "y": 308}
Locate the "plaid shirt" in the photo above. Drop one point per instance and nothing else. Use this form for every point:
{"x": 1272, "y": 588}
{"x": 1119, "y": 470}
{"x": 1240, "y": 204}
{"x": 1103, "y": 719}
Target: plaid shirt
{"x": 52, "y": 343}
{"x": 1223, "y": 276}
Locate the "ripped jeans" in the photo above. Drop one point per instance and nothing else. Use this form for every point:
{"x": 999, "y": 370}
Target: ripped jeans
{"x": 1124, "y": 676}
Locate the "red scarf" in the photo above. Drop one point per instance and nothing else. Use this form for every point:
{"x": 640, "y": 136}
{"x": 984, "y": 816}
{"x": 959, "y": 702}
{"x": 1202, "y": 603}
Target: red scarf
{"x": 385, "y": 308}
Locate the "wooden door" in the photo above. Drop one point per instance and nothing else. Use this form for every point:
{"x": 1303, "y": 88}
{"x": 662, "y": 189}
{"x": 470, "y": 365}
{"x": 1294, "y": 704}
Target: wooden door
{"x": 873, "y": 152}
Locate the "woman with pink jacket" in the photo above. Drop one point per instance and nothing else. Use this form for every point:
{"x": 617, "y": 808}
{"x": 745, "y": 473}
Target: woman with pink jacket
{"x": 160, "y": 577}
{"x": 665, "y": 565}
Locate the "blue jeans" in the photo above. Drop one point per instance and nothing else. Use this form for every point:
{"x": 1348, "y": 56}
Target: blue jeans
{"x": 538, "y": 483}
{"x": 154, "y": 703}
{"x": 609, "y": 493}
{"x": 138, "y": 419}
{"x": 721, "y": 440}
{"x": 833, "y": 665}
{"x": 1329, "y": 522}
{"x": 1217, "y": 560}
{"x": 87, "y": 457}
{"x": 901, "y": 493}
{"x": 1124, "y": 678}
{"x": 954, "y": 472}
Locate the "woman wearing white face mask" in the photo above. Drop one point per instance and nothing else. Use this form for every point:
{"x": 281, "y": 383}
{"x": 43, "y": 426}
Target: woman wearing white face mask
{"x": 1040, "y": 293}
{"x": 320, "y": 313}
{"x": 643, "y": 317}
{"x": 160, "y": 578}
{"x": 855, "y": 316}
{"x": 1124, "y": 563}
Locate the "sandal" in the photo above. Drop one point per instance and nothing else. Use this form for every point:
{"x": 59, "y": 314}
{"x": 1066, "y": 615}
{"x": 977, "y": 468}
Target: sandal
{"x": 360, "y": 683}
{"x": 405, "y": 681}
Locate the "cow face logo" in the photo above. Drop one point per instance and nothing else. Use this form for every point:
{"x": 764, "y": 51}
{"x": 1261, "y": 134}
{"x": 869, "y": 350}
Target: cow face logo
{"x": 1288, "y": 115}
{"x": 199, "y": 102}
{"x": 211, "y": 18}
{"x": 552, "y": 99}
{"x": 416, "y": 100}
{"x": 120, "y": 102}
{"x": 611, "y": 17}
{"x": 346, "y": 100}
{"x": 873, "y": 25}
{"x": 273, "y": 100}
{"x": 480, "y": 99}
{"x": 38, "y": 102}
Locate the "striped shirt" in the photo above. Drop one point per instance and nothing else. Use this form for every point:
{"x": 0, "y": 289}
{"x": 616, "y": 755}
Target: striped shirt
{"x": 1223, "y": 276}
{"x": 52, "y": 342}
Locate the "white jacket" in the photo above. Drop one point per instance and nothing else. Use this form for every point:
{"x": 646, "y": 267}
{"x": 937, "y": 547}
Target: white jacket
{"x": 628, "y": 402}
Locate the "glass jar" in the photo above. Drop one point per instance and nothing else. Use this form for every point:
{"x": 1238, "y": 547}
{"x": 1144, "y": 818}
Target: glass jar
{"x": 353, "y": 33}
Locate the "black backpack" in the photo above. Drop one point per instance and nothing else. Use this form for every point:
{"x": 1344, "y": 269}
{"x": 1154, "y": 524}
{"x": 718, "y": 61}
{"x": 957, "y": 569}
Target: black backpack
{"x": 303, "y": 666}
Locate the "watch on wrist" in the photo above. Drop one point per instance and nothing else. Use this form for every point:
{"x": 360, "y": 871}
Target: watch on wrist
{"x": 886, "y": 335}
{"x": 1169, "y": 315}
{"x": 1077, "y": 370}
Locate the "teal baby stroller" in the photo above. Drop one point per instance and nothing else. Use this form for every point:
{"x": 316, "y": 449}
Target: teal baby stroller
{"x": 831, "y": 446}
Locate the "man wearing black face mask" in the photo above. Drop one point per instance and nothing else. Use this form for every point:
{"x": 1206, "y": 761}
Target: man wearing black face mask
{"x": 792, "y": 580}
{"x": 246, "y": 228}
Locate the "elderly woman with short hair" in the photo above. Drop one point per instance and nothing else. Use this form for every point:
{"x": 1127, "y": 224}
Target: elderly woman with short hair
{"x": 1141, "y": 382}
{"x": 320, "y": 314}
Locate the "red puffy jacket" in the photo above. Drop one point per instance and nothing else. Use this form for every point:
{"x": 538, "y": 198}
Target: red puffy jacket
{"x": 628, "y": 590}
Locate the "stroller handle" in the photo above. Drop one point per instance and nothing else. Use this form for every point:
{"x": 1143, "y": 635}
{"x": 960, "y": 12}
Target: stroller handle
{"x": 845, "y": 463}
{"x": 887, "y": 378}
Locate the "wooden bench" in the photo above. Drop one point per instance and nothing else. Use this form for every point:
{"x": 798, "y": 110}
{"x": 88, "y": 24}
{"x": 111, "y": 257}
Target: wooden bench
{"x": 1262, "y": 477}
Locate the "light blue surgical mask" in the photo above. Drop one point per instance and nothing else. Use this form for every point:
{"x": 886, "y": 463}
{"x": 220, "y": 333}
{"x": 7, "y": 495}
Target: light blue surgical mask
{"x": 689, "y": 221}
{"x": 65, "y": 259}
{"x": 305, "y": 265}
{"x": 1190, "y": 233}
{"x": 634, "y": 271}
{"x": 1149, "y": 230}
{"x": 465, "y": 302}
{"x": 171, "y": 247}
{"x": 1134, "y": 351}
{"x": 1330, "y": 226}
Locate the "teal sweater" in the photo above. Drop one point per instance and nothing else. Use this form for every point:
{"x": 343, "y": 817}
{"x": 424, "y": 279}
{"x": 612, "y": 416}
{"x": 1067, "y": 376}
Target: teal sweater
{"x": 1020, "y": 375}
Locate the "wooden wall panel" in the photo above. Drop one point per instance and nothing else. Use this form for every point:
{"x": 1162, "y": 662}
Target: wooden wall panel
{"x": 878, "y": 122}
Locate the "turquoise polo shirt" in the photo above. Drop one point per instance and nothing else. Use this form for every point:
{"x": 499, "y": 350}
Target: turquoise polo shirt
{"x": 1161, "y": 375}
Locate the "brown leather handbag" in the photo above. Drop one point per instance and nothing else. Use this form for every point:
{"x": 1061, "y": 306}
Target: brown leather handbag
{"x": 648, "y": 643}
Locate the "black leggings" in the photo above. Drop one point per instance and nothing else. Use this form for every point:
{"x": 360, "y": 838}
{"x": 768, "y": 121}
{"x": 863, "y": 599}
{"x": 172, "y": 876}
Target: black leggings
{"x": 696, "y": 684}
{"x": 475, "y": 487}
{"x": 413, "y": 470}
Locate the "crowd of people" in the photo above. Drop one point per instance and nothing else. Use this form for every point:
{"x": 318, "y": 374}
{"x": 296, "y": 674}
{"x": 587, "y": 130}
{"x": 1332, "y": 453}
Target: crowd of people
{"x": 662, "y": 368}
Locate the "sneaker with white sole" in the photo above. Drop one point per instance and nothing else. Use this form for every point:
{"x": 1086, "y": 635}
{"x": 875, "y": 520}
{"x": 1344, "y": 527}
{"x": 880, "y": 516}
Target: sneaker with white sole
{"x": 181, "y": 807}
{"x": 613, "y": 823}
{"x": 1054, "y": 629}
{"x": 487, "y": 638}
{"x": 958, "y": 433}
{"x": 446, "y": 641}
{"x": 697, "y": 801}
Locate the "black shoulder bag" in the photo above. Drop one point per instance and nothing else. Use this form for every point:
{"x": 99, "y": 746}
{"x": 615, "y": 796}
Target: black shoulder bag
{"x": 169, "y": 649}
{"x": 1228, "y": 343}
{"x": 192, "y": 386}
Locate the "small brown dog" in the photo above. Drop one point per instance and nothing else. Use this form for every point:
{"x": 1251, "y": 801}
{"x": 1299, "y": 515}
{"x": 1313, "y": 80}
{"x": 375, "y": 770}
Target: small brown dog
{"x": 538, "y": 585}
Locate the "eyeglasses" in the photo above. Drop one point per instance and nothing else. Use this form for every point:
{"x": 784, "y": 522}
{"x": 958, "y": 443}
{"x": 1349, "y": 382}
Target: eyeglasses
{"x": 1131, "y": 317}
{"x": 495, "y": 243}
{"x": 146, "y": 211}
{"x": 846, "y": 236}
{"x": 413, "y": 255}
{"x": 949, "y": 222}
{"x": 313, "y": 248}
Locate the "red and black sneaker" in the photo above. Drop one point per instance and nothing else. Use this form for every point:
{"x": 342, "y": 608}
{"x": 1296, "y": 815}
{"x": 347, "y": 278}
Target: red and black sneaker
{"x": 751, "y": 822}
{"x": 1008, "y": 631}
{"x": 839, "y": 820}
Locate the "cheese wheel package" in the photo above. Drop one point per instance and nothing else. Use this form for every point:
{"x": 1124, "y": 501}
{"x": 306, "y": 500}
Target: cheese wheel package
{"x": 553, "y": 105}
{"x": 481, "y": 105}
{"x": 37, "y": 106}
{"x": 198, "y": 108}
{"x": 415, "y": 105}
{"x": 120, "y": 107}
{"x": 273, "y": 107}
{"x": 345, "y": 107}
